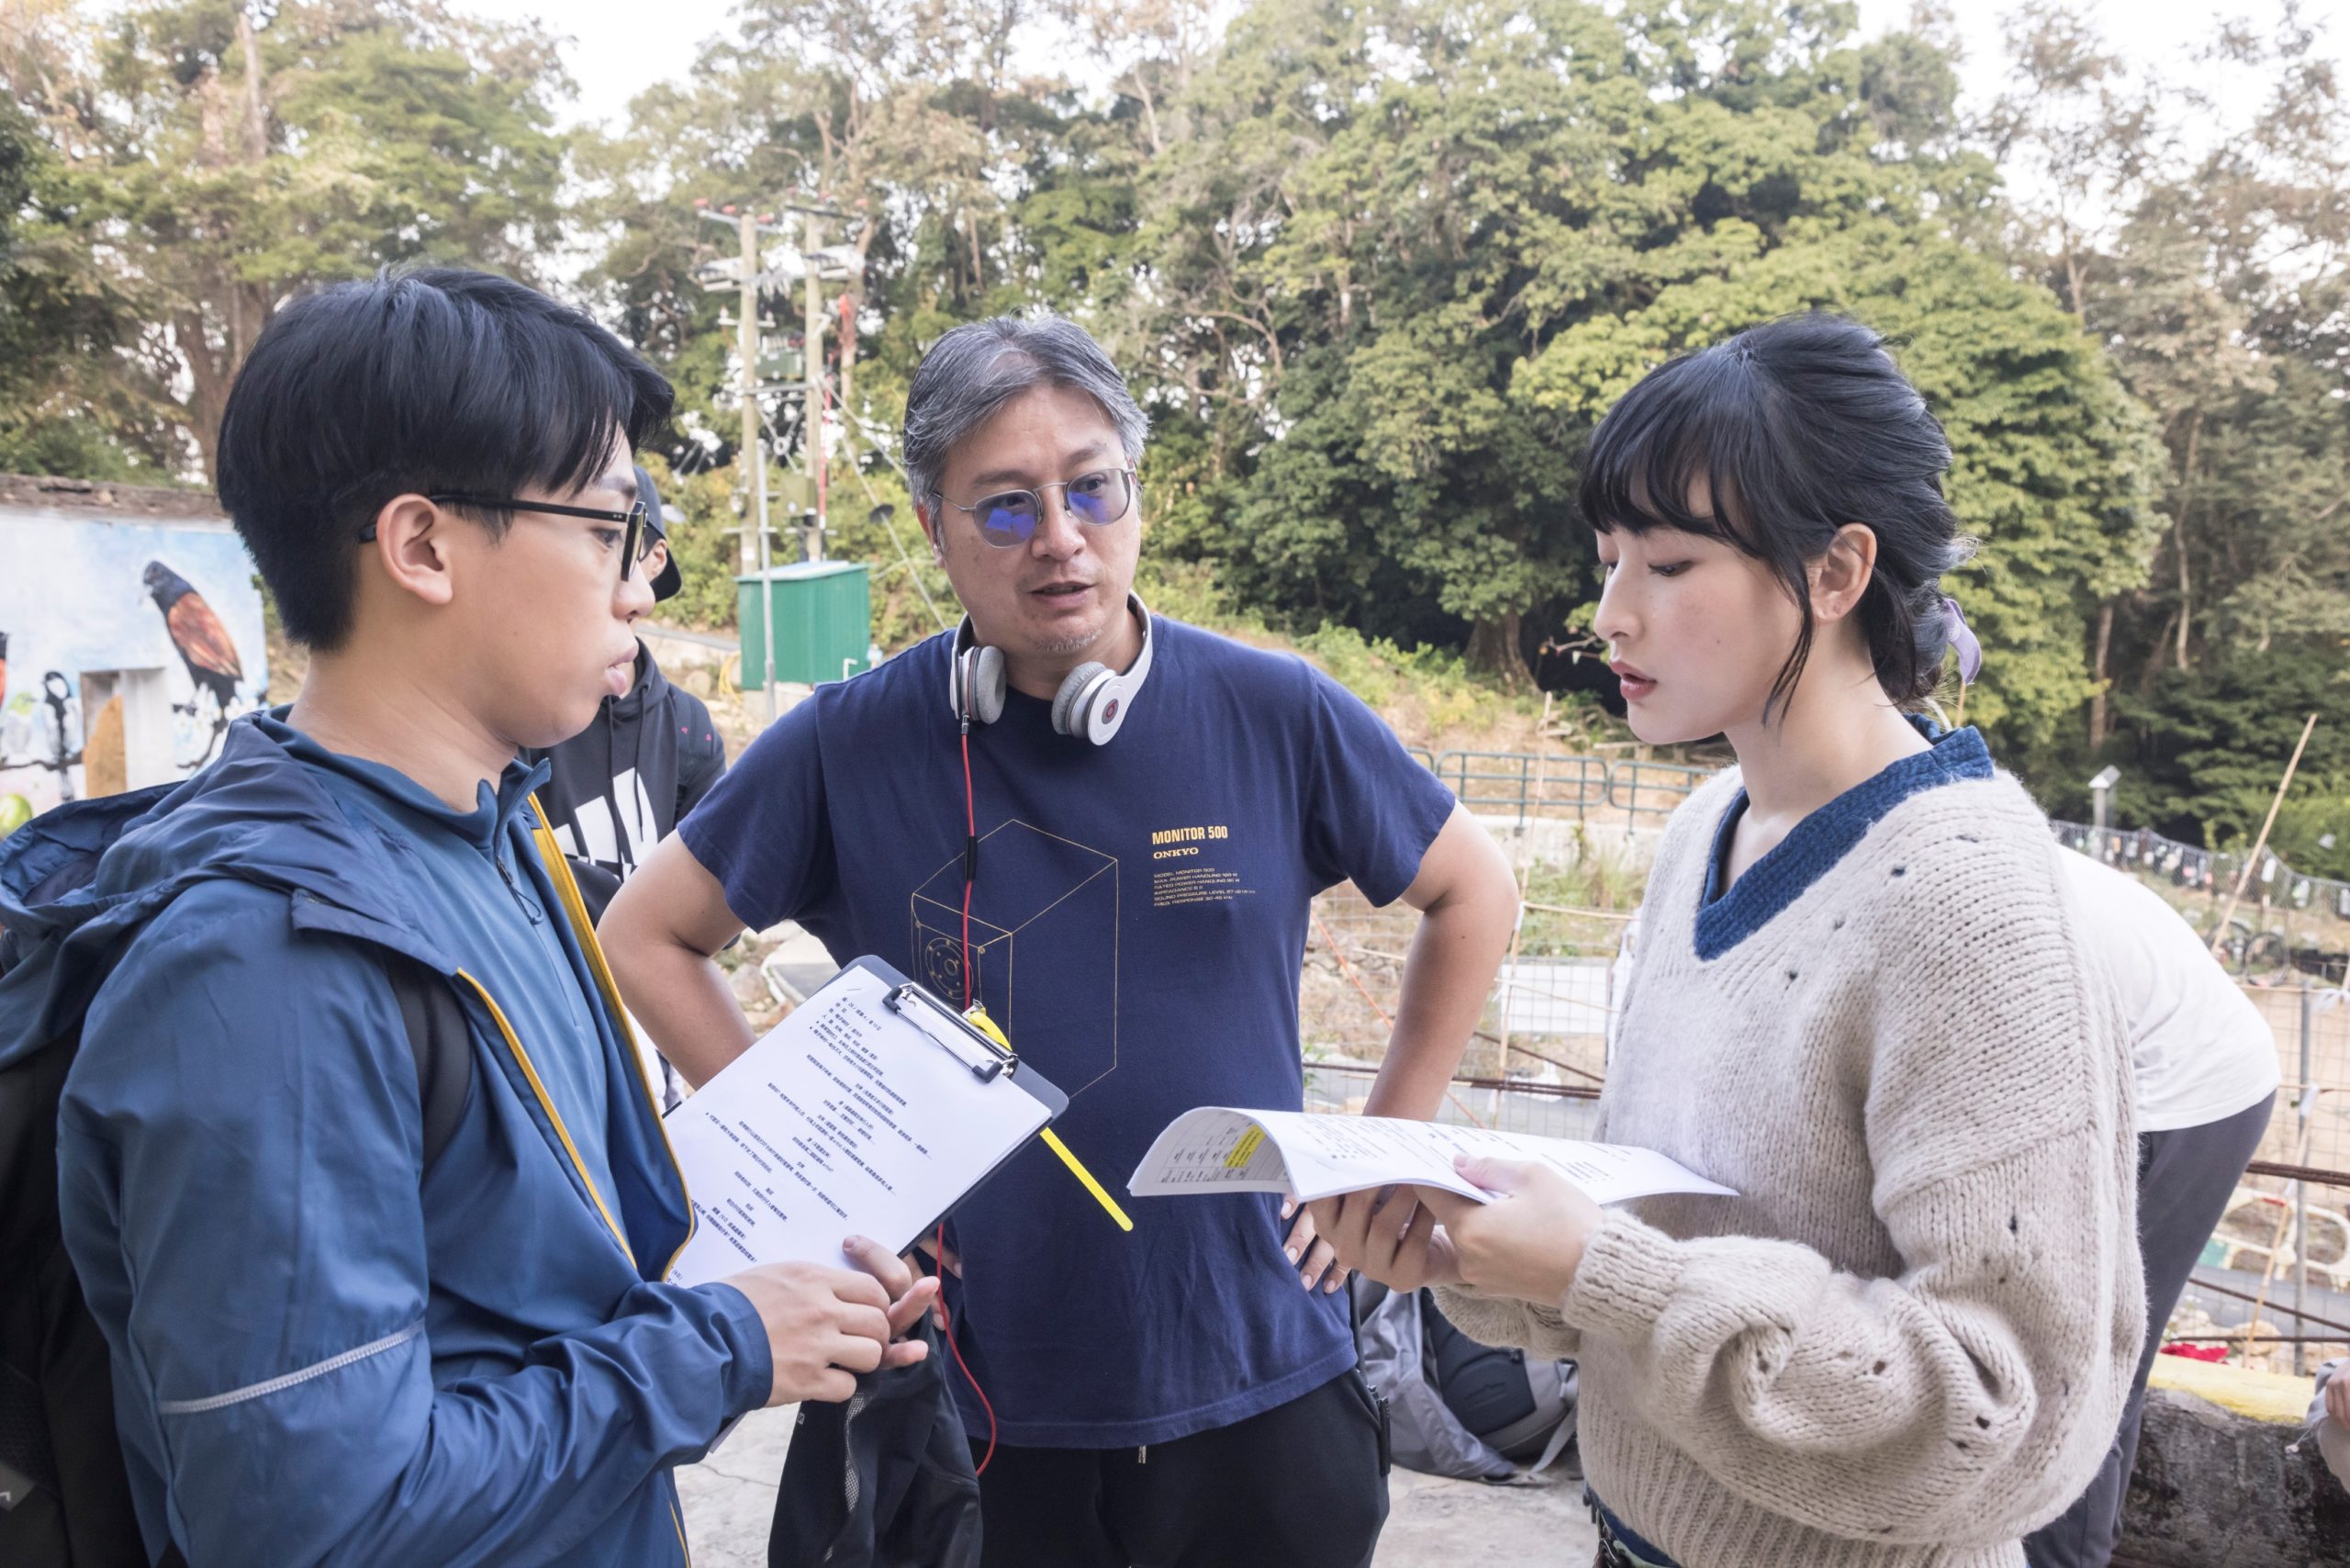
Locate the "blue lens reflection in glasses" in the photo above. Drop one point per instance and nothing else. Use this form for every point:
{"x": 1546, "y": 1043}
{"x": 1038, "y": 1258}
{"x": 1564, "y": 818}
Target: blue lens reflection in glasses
{"x": 1008, "y": 519}
{"x": 1096, "y": 499}
{"x": 1099, "y": 498}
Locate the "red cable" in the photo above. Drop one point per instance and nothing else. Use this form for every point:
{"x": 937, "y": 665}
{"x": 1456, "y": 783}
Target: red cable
{"x": 946, "y": 1323}
{"x": 816, "y": 441}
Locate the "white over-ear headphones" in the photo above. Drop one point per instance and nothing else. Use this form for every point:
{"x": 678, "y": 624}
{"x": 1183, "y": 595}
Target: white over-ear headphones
{"x": 1093, "y": 701}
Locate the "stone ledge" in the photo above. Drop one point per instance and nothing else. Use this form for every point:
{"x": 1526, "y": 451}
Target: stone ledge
{"x": 2218, "y": 1482}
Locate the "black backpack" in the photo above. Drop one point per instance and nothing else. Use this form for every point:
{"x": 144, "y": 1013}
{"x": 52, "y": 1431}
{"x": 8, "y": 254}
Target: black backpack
{"x": 64, "y": 1495}
{"x": 1458, "y": 1407}
{"x": 1522, "y": 1407}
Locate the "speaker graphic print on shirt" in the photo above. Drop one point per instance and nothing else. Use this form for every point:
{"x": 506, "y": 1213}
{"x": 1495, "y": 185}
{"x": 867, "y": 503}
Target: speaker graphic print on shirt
{"x": 1043, "y": 946}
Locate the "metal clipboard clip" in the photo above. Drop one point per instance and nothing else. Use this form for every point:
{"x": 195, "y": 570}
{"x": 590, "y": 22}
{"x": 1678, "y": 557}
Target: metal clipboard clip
{"x": 987, "y": 1060}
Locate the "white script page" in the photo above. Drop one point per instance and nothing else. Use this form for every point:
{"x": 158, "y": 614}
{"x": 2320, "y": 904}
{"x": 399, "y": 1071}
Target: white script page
{"x": 1219, "y": 1150}
{"x": 845, "y": 1120}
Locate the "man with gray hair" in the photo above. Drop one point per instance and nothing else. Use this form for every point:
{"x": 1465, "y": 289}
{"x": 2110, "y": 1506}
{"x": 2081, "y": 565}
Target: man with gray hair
{"x": 1107, "y": 828}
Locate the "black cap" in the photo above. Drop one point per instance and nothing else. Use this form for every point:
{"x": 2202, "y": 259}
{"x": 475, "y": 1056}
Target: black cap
{"x": 665, "y": 586}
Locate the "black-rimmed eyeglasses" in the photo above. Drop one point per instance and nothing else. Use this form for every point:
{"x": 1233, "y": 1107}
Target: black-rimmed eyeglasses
{"x": 636, "y": 540}
{"x": 1009, "y": 517}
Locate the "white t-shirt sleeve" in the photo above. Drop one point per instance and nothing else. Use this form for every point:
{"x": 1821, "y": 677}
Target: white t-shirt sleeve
{"x": 2200, "y": 1051}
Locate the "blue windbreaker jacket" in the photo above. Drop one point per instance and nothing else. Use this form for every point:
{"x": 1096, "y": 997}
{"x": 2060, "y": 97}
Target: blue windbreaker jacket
{"x": 322, "y": 1353}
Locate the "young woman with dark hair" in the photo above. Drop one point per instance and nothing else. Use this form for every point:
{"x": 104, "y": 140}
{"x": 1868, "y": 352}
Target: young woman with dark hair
{"x": 1858, "y": 998}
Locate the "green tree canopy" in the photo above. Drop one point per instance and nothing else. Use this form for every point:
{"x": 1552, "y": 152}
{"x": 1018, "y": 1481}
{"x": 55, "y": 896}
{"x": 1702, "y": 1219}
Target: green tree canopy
{"x": 62, "y": 325}
{"x": 1414, "y": 251}
{"x": 219, "y": 165}
{"x": 1376, "y": 267}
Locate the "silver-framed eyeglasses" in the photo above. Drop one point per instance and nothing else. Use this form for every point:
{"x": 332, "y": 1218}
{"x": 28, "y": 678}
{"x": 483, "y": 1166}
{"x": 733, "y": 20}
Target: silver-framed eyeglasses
{"x": 1008, "y": 518}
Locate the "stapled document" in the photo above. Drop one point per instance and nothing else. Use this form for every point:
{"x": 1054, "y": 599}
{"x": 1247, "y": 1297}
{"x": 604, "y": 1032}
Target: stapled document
{"x": 1218, "y": 1149}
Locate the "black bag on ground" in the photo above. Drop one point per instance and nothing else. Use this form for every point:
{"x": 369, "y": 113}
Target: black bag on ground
{"x": 1516, "y": 1405}
{"x": 1458, "y": 1407}
{"x": 881, "y": 1480}
{"x": 64, "y": 1495}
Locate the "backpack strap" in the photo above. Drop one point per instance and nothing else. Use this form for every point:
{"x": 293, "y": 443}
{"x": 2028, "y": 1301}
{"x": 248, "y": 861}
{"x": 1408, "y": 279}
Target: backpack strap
{"x": 1561, "y": 1435}
{"x": 442, "y": 1044}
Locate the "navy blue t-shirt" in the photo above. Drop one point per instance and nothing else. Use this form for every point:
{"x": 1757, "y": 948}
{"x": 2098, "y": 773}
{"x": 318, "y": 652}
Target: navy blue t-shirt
{"x": 1137, "y": 928}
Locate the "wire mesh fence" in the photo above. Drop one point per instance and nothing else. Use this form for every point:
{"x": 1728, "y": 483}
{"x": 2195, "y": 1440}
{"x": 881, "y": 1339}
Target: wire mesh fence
{"x": 2274, "y": 1283}
{"x": 2279, "y": 1262}
{"x": 2286, "y": 922}
{"x": 1565, "y": 786}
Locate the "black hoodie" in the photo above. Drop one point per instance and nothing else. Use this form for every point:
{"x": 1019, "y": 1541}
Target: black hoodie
{"x": 621, "y": 785}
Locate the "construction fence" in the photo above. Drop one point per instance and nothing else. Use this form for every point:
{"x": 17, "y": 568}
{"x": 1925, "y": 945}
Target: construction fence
{"x": 1564, "y": 786}
{"x": 2274, "y": 1285}
{"x": 2281, "y": 922}
{"x": 1524, "y": 787}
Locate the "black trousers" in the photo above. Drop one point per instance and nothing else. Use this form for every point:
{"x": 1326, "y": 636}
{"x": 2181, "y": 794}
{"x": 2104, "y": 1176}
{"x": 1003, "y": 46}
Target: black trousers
{"x": 2184, "y": 1179}
{"x": 1301, "y": 1485}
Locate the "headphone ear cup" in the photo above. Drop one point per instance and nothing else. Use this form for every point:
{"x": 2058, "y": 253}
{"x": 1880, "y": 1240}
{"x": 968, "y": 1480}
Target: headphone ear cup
{"x": 985, "y": 674}
{"x": 1066, "y": 719}
{"x": 1104, "y": 708}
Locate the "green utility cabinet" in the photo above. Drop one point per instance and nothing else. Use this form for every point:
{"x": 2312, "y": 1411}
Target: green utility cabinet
{"x": 823, "y": 622}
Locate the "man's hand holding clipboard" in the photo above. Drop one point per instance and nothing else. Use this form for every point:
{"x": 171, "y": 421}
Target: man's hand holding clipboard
{"x": 827, "y": 1324}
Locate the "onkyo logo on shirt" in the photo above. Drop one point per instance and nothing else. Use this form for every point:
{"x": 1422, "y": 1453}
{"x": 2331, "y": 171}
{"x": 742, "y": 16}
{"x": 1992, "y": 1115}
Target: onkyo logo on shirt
{"x": 1196, "y": 865}
{"x": 1177, "y": 843}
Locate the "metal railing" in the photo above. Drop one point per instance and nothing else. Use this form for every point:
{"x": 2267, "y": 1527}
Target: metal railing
{"x": 1664, "y": 784}
{"x": 2281, "y": 1254}
{"x": 1568, "y": 785}
{"x": 1527, "y": 783}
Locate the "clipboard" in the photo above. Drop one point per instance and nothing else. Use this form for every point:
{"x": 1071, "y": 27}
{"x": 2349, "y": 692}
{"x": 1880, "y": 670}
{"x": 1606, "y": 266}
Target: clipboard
{"x": 929, "y": 1012}
{"x": 766, "y": 1177}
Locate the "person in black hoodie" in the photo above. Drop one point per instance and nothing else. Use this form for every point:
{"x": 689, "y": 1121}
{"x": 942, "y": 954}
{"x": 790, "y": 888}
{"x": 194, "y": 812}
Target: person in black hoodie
{"x": 621, "y": 785}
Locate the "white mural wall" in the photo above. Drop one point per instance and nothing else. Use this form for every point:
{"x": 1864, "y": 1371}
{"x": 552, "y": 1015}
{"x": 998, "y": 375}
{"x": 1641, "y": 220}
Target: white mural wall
{"x": 165, "y": 616}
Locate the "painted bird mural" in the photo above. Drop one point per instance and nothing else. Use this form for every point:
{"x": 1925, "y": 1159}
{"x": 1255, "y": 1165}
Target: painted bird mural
{"x": 203, "y": 642}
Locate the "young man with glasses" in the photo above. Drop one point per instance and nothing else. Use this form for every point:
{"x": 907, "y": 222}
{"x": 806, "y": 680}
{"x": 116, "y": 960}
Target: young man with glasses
{"x": 1154, "y": 809}
{"x": 332, "y": 1341}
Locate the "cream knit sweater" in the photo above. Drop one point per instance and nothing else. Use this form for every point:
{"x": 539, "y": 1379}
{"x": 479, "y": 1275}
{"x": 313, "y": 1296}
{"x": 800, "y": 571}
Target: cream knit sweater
{"x": 1908, "y": 1339}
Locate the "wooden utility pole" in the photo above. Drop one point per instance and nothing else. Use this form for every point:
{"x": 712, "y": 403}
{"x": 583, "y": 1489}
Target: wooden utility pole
{"x": 811, "y": 241}
{"x": 747, "y": 339}
{"x": 256, "y": 124}
{"x": 817, "y": 404}
{"x": 751, "y": 555}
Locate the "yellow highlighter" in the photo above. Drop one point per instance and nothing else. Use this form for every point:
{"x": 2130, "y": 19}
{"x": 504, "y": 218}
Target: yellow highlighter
{"x": 977, "y": 1016}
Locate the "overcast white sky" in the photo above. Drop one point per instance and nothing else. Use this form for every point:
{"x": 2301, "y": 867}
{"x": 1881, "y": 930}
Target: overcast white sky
{"x": 619, "y": 45}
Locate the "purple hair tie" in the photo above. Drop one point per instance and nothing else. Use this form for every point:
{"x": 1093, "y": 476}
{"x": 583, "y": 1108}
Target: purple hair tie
{"x": 1962, "y": 637}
